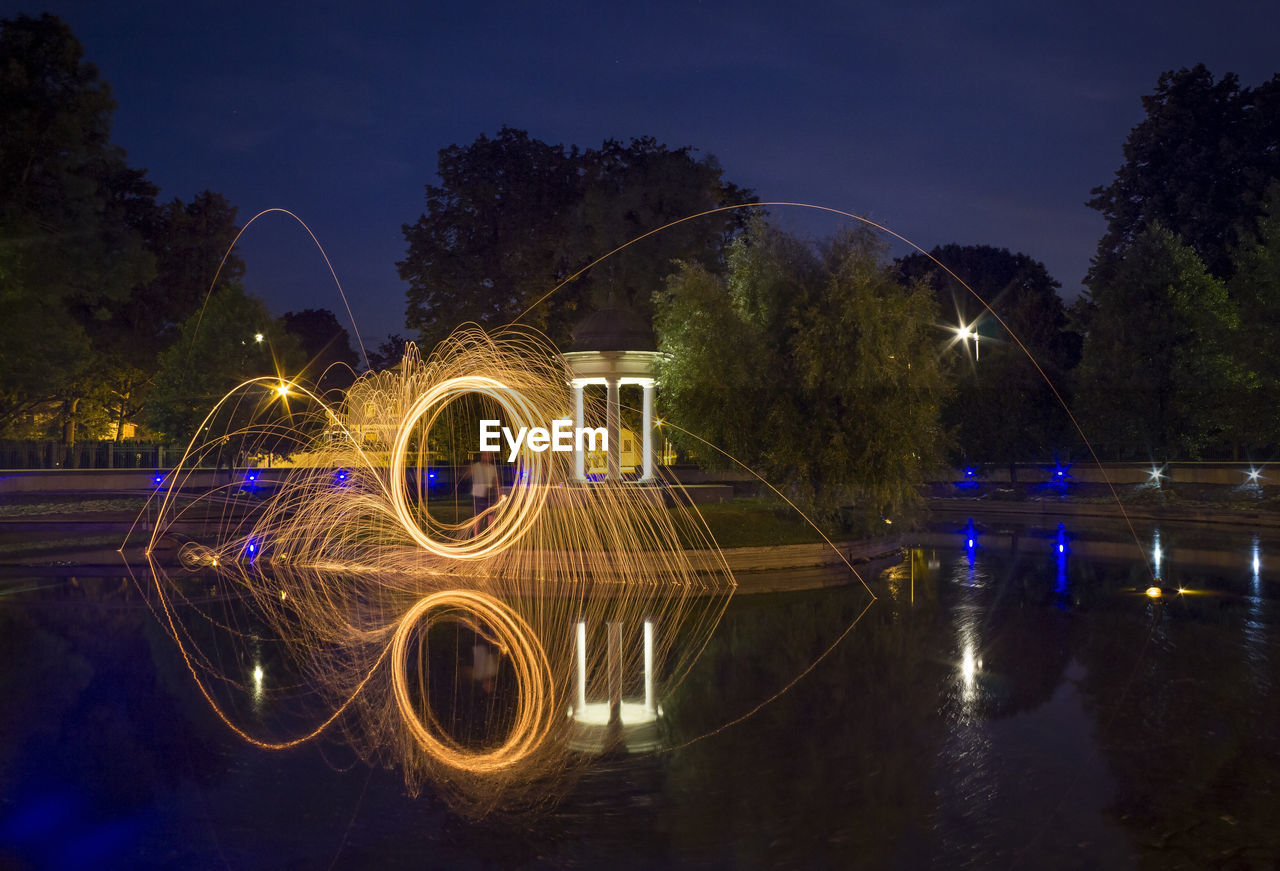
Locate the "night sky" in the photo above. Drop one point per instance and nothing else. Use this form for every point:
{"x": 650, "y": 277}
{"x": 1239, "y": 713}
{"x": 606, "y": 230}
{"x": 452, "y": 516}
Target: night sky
{"x": 952, "y": 122}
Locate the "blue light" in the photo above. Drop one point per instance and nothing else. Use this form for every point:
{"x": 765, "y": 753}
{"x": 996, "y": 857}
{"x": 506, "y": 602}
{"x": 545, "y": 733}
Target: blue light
{"x": 971, "y": 542}
{"x": 431, "y": 474}
{"x": 158, "y": 479}
{"x": 1061, "y": 474}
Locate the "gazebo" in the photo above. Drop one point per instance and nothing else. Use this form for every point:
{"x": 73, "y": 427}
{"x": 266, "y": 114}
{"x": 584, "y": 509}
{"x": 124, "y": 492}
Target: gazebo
{"x": 614, "y": 347}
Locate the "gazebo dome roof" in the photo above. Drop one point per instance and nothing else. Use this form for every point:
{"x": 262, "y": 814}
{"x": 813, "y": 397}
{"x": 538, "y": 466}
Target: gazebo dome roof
{"x": 613, "y": 328}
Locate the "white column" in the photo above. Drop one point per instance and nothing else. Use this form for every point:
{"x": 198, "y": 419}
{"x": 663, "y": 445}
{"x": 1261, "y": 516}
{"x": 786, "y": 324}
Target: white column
{"x": 579, "y": 456}
{"x": 648, "y": 668}
{"x": 582, "y": 668}
{"x": 648, "y": 433}
{"x": 614, "y": 655}
{"x": 613, "y": 424}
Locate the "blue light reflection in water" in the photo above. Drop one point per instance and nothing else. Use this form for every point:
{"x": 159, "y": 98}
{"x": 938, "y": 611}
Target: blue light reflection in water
{"x": 1061, "y": 584}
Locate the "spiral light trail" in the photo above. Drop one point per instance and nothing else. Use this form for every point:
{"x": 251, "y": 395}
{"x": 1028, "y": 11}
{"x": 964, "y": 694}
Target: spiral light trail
{"x": 349, "y": 570}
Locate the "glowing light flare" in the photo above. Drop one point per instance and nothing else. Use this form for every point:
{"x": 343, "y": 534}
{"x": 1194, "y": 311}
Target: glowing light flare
{"x": 965, "y": 332}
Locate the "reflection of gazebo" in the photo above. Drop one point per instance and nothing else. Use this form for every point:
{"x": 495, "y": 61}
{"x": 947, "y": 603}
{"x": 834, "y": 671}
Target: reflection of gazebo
{"x": 614, "y": 347}
{"x": 614, "y": 722}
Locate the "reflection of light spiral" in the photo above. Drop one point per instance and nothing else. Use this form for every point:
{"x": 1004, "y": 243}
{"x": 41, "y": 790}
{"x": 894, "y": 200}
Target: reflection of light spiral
{"x": 523, "y": 503}
{"x": 532, "y": 672}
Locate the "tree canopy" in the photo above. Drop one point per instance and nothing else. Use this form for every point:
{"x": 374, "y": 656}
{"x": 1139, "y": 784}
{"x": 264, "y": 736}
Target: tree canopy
{"x": 1198, "y": 165}
{"x": 1157, "y": 373}
{"x": 233, "y": 339}
{"x": 1255, "y": 289}
{"x": 1002, "y": 409}
{"x": 813, "y": 365}
{"x": 95, "y": 275}
{"x": 512, "y": 217}
{"x": 331, "y": 361}
{"x": 70, "y": 216}
{"x": 1176, "y": 360}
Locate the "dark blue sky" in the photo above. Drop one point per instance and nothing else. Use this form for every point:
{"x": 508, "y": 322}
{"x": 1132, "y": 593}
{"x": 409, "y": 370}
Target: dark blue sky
{"x": 949, "y": 122}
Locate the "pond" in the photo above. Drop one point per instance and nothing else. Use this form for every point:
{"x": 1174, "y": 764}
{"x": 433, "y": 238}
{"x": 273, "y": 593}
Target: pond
{"x": 1017, "y": 701}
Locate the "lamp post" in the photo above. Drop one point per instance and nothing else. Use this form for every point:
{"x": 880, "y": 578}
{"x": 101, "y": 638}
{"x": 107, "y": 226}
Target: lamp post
{"x": 965, "y": 333}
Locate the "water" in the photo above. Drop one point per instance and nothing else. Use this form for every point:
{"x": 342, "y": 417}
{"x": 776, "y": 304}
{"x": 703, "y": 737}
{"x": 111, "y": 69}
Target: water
{"x": 1008, "y": 704}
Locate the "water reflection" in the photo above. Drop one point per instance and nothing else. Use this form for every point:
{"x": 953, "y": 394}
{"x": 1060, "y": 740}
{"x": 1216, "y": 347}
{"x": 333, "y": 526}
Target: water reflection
{"x": 1061, "y": 583}
{"x": 605, "y": 719}
{"x": 1255, "y": 627}
{"x": 971, "y": 538}
{"x": 494, "y": 694}
{"x": 978, "y": 725}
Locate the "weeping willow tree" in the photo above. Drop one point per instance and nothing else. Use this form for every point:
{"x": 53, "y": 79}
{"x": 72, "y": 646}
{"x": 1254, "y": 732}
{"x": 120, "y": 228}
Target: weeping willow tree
{"x": 813, "y": 365}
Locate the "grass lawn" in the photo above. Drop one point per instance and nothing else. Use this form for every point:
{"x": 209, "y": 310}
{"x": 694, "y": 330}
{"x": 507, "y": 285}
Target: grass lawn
{"x": 756, "y": 523}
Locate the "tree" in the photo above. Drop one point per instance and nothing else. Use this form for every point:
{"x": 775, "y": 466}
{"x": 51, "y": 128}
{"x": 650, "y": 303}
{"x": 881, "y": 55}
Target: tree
{"x": 218, "y": 349}
{"x": 1156, "y": 374}
{"x": 97, "y": 277}
{"x": 331, "y": 362}
{"x": 815, "y": 367}
{"x": 494, "y": 235}
{"x": 1198, "y": 164}
{"x": 632, "y": 189}
{"x": 189, "y": 242}
{"x": 388, "y": 353}
{"x": 513, "y": 217}
{"x": 1255, "y": 289}
{"x": 1002, "y": 409}
{"x": 70, "y": 218}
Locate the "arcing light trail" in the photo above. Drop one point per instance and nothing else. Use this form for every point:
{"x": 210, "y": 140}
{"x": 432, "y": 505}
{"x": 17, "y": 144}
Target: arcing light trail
{"x": 893, "y": 234}
{"x": 351, "y": 577}
{"x": 351, "y": 570}
{"x": 341, "y": 293}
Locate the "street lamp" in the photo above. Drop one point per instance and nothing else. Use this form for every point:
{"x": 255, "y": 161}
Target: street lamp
{"x": 965, "y": 333}
{"x": 258, "y": 337}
